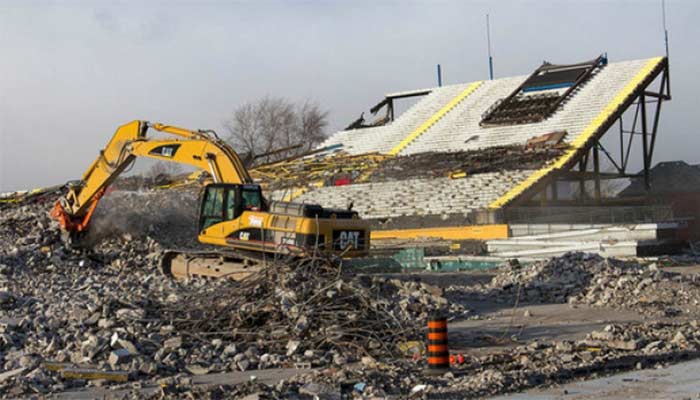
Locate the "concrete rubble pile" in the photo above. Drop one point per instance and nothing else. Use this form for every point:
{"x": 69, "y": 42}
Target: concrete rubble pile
{"x": 580, "y": 278}
{"x": 108, "y": 308}
{"x": 77, "y": 306}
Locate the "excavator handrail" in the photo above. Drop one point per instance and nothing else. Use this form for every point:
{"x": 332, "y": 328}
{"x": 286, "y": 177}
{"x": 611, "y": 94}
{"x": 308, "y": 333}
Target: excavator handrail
{"x": 202, "y": 149}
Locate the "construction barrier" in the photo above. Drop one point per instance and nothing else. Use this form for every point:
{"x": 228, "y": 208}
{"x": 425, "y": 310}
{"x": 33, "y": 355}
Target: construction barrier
{"x": 438, "y": 351}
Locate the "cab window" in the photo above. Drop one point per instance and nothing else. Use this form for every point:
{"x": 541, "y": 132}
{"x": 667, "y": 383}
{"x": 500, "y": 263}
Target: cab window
{"x": 212, "y": 211}
{"x": 231, "y": 204}
{"x": 251, "y": 199}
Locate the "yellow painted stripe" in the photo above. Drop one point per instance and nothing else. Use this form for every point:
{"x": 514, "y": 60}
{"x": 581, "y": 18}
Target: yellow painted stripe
{"x": 480, "y": 232}
{"x": 296, "y": 193}
{"x": 577, "y": 144}
{"x": 433, "y": 119}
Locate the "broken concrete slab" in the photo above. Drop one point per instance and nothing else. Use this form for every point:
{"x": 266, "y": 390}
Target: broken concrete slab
{"x": 11, "y": 373}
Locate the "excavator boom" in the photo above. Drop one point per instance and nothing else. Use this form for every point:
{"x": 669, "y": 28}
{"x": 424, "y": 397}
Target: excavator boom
{"x": 201, "y": 149}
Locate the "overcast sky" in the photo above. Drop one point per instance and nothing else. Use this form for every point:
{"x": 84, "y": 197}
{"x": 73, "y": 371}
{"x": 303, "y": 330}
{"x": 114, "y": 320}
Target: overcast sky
{"x": 71, "y": 72}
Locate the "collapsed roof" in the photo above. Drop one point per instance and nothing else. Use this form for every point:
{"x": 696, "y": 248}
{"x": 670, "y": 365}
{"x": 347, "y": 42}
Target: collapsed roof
{"x": 539, "y": 96}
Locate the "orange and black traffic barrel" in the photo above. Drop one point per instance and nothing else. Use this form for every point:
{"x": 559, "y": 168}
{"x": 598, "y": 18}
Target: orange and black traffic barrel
{"x": 438, "y": 352}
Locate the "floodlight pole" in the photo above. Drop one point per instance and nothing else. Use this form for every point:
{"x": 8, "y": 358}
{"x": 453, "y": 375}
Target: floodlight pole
{"x": 488, "y": 43}
{"x": 663, "y": 21}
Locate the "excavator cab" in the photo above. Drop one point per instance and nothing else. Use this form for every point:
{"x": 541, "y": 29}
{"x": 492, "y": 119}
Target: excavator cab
{"x": 226, "y": 201}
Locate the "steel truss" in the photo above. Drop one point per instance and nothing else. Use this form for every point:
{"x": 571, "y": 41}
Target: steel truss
{"x": 645, "y": 107}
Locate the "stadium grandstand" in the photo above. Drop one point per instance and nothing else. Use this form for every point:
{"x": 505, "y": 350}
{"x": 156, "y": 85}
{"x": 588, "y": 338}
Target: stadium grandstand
{"x": 473, "y": 160}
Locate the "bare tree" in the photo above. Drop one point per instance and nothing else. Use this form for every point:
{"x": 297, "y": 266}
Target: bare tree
{"x": 264, "y": 127}
{"x": 163, "y": 169}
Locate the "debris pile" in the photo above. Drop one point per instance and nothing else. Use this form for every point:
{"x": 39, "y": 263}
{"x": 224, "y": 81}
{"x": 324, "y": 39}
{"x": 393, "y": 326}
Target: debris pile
{"x": 581, "y": 278}
{"x": 109, "y": 310}
{"x": 73, "y": 305}
{"x": 310, "y": 307}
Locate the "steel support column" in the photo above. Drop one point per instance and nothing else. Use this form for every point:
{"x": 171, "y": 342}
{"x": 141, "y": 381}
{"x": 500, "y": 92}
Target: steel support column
{"x": 645, "y": 141}
{"x": 582, "y": 166}
{"x": 596, "y": 171}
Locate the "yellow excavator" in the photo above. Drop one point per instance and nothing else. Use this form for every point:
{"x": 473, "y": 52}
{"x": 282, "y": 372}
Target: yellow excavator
{"x": 233, "y": 215}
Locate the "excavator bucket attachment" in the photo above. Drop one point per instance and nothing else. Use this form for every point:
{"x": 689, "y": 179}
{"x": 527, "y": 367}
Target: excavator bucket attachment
{"x": 74, "y": 223}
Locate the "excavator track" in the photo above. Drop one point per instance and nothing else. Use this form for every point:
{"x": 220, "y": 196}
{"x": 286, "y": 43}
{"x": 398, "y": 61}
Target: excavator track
{"x": 210, "y": 264}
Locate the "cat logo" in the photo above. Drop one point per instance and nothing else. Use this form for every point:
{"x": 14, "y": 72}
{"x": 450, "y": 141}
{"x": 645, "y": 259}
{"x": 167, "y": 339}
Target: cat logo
{"x": 349, "y": 239}
{"x": 167, "y": 150}
{"x": 244, "y": 235}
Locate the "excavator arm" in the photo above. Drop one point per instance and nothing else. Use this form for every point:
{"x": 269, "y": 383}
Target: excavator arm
{"x": 200, "y": 149}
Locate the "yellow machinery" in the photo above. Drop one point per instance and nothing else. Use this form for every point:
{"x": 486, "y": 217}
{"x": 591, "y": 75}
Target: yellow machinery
{"x": 233, "y": 214}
